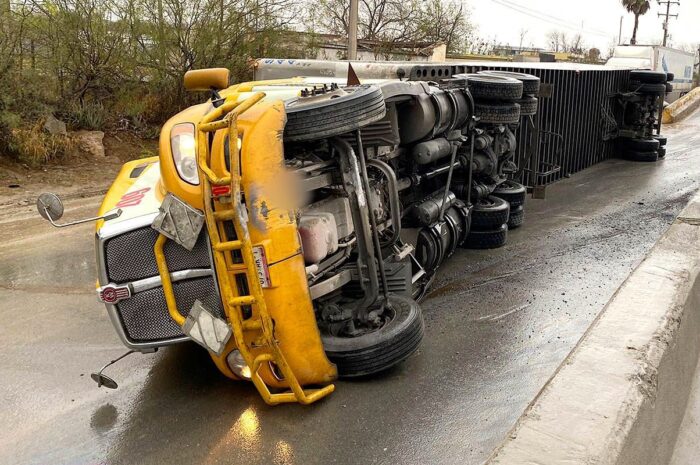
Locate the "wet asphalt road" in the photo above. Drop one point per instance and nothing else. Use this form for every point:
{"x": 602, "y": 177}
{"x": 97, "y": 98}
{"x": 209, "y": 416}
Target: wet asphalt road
{"x": 498, "y": 325}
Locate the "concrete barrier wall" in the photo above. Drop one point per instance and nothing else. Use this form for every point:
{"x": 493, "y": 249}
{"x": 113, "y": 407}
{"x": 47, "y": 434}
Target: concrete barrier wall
{"x": 620, "y": 396}
{"x": 682, "y": 107}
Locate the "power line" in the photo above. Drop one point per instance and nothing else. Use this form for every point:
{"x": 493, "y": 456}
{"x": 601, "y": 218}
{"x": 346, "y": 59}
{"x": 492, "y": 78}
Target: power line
{"x": 549, "y": 18}
{"x": 668, "y": 15}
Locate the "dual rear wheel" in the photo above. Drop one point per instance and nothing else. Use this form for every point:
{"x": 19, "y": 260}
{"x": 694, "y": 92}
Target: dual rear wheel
{"x": 495, "y": 215}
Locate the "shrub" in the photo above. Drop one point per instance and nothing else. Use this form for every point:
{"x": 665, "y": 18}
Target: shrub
{"x": 86, "y": 115}
{"x": 36, "y": 147}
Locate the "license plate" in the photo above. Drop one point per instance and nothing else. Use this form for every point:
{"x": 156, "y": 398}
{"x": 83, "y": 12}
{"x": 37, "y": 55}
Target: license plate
{"x": 261, "y": 266}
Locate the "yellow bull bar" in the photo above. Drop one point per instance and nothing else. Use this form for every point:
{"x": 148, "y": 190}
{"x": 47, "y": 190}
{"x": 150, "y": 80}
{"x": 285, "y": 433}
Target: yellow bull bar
{"x": 254, "y": 337}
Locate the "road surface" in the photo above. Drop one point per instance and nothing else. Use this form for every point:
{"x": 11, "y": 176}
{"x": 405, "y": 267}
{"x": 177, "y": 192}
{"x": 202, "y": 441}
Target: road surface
{"x": 498, "y": 324}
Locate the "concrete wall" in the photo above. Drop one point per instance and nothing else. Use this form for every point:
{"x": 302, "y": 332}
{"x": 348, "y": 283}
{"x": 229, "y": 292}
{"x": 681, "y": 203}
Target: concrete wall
{"x": 683, "y": 107}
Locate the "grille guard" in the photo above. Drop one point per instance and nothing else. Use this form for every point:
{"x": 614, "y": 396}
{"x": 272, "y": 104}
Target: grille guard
{"x": 253, "y": 336}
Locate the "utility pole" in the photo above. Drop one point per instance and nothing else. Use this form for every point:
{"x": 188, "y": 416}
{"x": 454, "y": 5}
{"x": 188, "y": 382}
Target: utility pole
{"x": 619, "y": 41}
{"x": 352, "y": 30}
{"x": 667, "y": 15}
{"x": 698, "y": 66}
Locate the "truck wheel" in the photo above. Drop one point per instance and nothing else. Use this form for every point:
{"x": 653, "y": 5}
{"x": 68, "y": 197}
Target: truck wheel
{"x": 648, "y": 77}
{"x": 528, "y": 106}
{"x": 490, "y": 213}
{"x": 641, "y": 145}
{"x": 512, "y": 192}
{"x": 636, "y": 155}
{"x": 333, "y": 113}
{"x": 670, "y": 77}
{"x": 662, "y": 152}
{"x": 485, "y": 87}
{"x": 482, "y": 240}
{"x": 497, "y": 113}
{"x": 517, "y": 217}
{"x": 642, "y": 88}
{"x": 379, "y": 350}
{"x": 531, "y": 84}
{"x": 663, "y": 140}
{"x": 669, "y": 87}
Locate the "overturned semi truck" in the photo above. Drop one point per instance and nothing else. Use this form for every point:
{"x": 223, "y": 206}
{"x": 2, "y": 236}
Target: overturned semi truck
{"x": 292, "y": 225}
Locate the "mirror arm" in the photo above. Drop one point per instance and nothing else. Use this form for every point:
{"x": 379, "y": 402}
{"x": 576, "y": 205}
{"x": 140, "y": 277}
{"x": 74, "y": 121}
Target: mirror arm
{"x": 107, "y": 217}
{"x": 216, "y": 99}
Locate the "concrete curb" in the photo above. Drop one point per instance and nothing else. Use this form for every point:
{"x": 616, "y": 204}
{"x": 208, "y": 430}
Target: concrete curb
{"x": 620, "y": 396}
{"x": 681, "y": 108}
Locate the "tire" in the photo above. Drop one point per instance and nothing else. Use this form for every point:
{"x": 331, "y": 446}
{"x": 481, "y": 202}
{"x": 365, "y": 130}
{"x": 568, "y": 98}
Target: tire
{"x": 482, "y": 240}
{"x": 528, "y": 106}
{"x": 669, "y": 87}
{"x": 334, "y": 113}
{"x": 642, "y": 88}
{"x": 382, "y": 349}
{"x": 497, "y": 113}
{"x": 489, "y": 214}
{"x": 485, "y": 87}
{"x": 663, "y": 140}
{"x": 648, "y": 77}
{"x": 635, "y": 155}
{"x": 512, "y": 192}
{"x": 670, "y": 77}
{"x": 640, "y": 145}
{"x": 662, "y": 152}
{"x": 517, "y": 218}
{"x": 531, "y": 84}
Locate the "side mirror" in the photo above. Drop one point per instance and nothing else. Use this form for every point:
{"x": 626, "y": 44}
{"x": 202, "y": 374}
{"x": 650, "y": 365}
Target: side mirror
{"x": 104, "y": 380}
{"x": 206, "y": 79}
{"x": 50, "y": 208}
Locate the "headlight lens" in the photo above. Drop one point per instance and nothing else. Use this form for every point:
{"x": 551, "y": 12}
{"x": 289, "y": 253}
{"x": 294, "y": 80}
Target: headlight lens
{"x": 237, "y": 364}
{"x": 184, "y": 147}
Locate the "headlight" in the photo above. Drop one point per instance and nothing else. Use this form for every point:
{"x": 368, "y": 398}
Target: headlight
{"x": 237, "y": 364}
{"x": 184, "y": 147}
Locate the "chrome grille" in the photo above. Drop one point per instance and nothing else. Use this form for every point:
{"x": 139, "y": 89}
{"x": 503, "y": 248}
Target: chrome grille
{"x": 126, "y": 257}
{"x": 129, "y": 256}
{"x": 145, "y": 316}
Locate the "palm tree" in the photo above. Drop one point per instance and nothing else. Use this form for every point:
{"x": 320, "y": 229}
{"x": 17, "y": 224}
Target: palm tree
{"x": 637, "y": 8}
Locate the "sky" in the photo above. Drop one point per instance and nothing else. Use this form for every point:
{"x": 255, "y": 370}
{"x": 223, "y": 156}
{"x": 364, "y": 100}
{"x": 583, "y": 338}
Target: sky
{"x": 597, "y": 20}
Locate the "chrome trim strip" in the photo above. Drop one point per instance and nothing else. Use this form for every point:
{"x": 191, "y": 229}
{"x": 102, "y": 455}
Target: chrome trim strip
{"x": 155, "y": 281}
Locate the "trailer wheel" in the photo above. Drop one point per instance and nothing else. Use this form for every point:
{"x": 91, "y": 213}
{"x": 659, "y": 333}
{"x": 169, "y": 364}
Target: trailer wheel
{"x": 641, "y": 145}
{"x": 670, "y": 77}
{"x": 482, "y": 240}
{"x": 528, "y": 106}
{"x": 531, "y": 84}
{"x": 517, "y": 217}
{"x": 641, "y": 88}
{"x": 336, "y": 112}
{"x": 486, "y": 87}
{"x": 648, "y": 77}
{"x": 379, "y": 350}
{"x": 497, "y": 113}
{"x": 636, "y": 155}
{"x": 512, "y": 192}
{"x": 662, "y": 152}
{"x": 663, "y": 140}
{"x": 490, "y": 213}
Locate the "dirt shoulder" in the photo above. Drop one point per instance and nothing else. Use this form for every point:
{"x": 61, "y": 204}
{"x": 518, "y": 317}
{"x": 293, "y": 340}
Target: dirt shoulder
{"x": 77, "y": 178}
